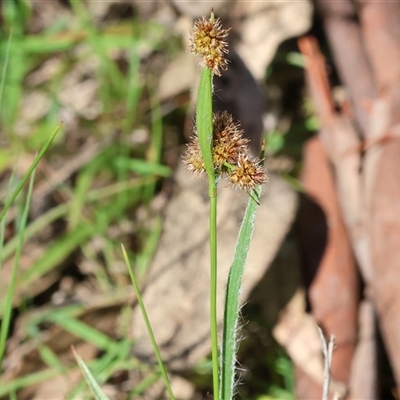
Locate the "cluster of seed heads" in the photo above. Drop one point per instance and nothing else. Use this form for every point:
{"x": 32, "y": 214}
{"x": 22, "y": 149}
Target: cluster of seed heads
{"x": 231, "y": 156}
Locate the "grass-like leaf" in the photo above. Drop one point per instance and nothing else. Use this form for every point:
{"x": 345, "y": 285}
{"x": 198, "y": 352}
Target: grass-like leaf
{"x": 6, "y": 320}
{"x": 148, "y": 326}
{"x": 204, "y": 120}
{"x": 5, "y": 68}
{"x": 83, "y": 331}
{"x": 29, "y": 172}
{"x": 84, "y": 230}
{"x": 93, "y": 385}
{"x": 231, "y": 314}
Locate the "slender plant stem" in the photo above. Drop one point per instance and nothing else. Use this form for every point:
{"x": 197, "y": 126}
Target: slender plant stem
{"x": 205, "y": 135}
{"x": 213, "y": 286}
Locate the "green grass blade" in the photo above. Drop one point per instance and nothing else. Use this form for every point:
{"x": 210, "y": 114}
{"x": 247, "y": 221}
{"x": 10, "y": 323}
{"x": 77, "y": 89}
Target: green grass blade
{"x": 5, "y": 67}
{"x": 144, "y": 258}
{"x": 231, "y": 314}
{"x": 83, "y": 184}
{"x": 83, "y": 331}
{"x": 6, "y": 388}
{"x": 3, "y": 224}
{"x": 147, "y": 382}
{"x": 5, "y": 323}
{"x": 61, "y": 210}
{"x": 148, "y": 325}
{"x": 143, "y": 167}
{"x": 26, "y": 380}
{"x": 13, "y": 17}
{"x": 59, "y": 250}
{"x": 107, "y": 71}
{"x": 49, "y": 357}
{"x": 204, "y": 119}
{"x": 133, "y": 84}
{"x": 93, "y": 385}
{"x": 104, "y": 367}
{"x": 29, "y": 172}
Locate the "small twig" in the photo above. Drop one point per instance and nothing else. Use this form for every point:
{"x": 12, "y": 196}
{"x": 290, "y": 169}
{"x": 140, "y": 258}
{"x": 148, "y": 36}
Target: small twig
{"x": 327, "y": 351}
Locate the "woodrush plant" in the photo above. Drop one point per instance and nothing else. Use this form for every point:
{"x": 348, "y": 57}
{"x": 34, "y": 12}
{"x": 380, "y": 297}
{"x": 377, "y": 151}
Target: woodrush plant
{"x": 219, "y": 149}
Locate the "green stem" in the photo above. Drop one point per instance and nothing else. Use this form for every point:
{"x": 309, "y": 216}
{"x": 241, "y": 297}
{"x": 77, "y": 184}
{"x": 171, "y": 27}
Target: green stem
{"x": 205, "y": 134}
{"x": 213, "y": 286}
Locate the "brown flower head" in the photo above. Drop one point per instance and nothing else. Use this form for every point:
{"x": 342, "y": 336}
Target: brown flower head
{"x": 228, "y": 143}
{"x": 247, "y": 173}
{"x": 208, "y": 39}
{"x": 230, "y": 154}
{"x": 228, "y": 140}
{"x": 193, "y": 158}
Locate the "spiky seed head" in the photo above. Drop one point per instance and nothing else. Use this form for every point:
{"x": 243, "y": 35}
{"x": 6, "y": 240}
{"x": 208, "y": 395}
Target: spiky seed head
{"x": 228, "y": 140}
{"x": 208, "y": 39}
{"x": 247, "y": 173}
{"x": 193, "y": 158}
{"x": 230, "y": 154}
